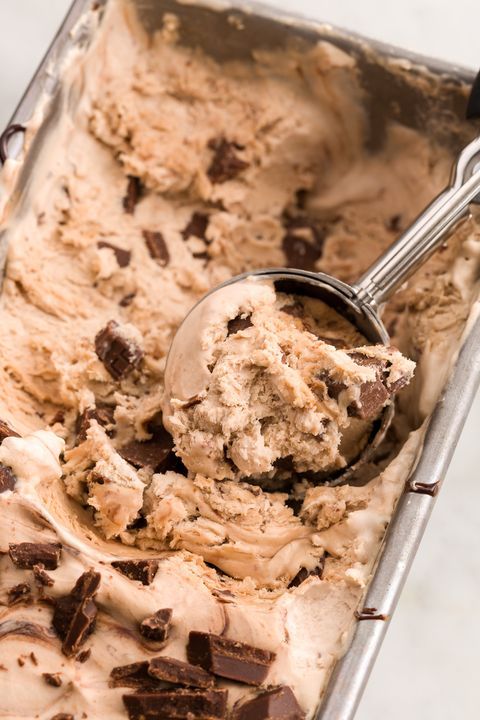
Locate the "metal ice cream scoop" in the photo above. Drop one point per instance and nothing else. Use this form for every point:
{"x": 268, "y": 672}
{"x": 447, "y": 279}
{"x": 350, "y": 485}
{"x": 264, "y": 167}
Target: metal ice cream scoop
{"x": 361, "y": 302}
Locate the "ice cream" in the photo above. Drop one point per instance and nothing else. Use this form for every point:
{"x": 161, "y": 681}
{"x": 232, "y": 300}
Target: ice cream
{"x": 166, "y": 173}
{"x": 260, "y": 382}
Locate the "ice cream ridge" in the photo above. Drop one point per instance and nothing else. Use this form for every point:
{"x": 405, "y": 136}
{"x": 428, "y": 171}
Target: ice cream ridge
{"x": 179, "y": 544}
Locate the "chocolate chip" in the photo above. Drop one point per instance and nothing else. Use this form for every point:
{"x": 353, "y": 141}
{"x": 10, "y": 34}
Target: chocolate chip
{"x": 19, "y": 593}
{"x": 239, "y": 323}
{"x": 75, "y": 614}
{"x": 303, "y": 574}
{"x": 52, "y": 679}
{"x": 7, "y": 479}
{"x": 197, "y": 226}
{"x": 178, "y": 704}
{"x": 148, "y": 453}
{"x": 133, "y": 194}
{"x": 157, "y": 626}
{"x": 225, "y": 164}
{"x": 119, "y": 353}
{"x": 157, "y": 247}
{"x": 6, "y": 431}
{"x": 103, "y": 415}
{"x": 135, "y": 675}
{"x": 180, "y": 673}
{"x": 229, "y": 658}
{"x": 26, "y": 555}
{"x": 302, "y": 244}
{"x": 127, "y": 300}
{"x": 277, "y": 704}
{"x": 143, "y": 571}
{"x": 42, "y": 579}
{"x": 123, "y": 256}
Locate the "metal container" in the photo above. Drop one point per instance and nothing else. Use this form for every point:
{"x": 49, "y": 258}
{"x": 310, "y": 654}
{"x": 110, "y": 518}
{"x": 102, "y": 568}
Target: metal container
{"x": 233, "y": 29}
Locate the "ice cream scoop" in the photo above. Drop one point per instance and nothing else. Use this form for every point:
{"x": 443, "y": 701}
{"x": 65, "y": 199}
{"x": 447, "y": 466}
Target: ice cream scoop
{"x": 361, "y": 302}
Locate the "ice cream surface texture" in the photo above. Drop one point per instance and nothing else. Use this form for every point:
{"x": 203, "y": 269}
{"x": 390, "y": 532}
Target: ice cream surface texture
{"x": 127, "y": 573}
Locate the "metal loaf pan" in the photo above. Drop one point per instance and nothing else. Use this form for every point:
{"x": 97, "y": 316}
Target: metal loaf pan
{"x": 399, "y": 85}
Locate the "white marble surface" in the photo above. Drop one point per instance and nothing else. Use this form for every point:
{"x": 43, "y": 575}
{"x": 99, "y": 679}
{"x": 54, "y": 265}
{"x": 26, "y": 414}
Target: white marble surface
{"x": 428, "y": 668}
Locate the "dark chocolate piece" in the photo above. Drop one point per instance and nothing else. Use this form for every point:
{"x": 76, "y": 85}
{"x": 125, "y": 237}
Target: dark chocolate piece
{"x": 197, "y": 226}
{"x": 277, "y": 704}
{"x": 157, "y": 626}
{"x": 149, "y": 453}
{"x": 52, "y": 679}
{"x": 180, "y": 673}
{"x": 143, "y": 571}
{"x": 103, "y": 415}
{"x": 123, "y": 256}
{"x": 6, "y": 431}
{"x": 424, "y": 488}
{"x": 119, "y": 354}
{"x": 229, "y": 658}
{"x": 19, "y": 593}
{"x": 178, "y": 704}
{"x": 84, "y": 655}
{"x": 133, "y": 195}
{"x": 370, "y": 614}
{"x": 26, "y": 555}
{"x": 42, "y": 579}
{"x": 134, "y": 676}
{"x": 303, "y": 574}
{"x": 157, "y": 247}
{"x": 127, "y": 299}
{"x": 75, "y": 614}
{"x": 225, "y": 164}
{"x": 7, "y": 479}
{"x": 238, "y": 323}
{"x": 302, "y": 243}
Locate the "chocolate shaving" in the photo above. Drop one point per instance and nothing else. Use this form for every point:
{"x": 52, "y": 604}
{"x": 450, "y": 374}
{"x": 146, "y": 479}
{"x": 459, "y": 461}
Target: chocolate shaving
{"x": 238, "y": 323}
{"x": 52, "y": 679}
{"x": 19, "y": 593}
{"x": 26, "y": 555}
{"x": 370, "y": 614}
{"x": 42, "y": 579}
{"x": 303, "y": 243}
{"x": 120, "y": 354}
{"x": 133, "y": 195}
{"x": 143, "y": 571}
{"x": 229, "y": 658}
{"x": 157, "y": 626}
{"x": 157, "y": 247}
{"x": 149, "y": 453}
{"x": 75, "y": 614}
{"x": 134, "y": 676}
{"x": 7, "y": 479}
{"x": 178, "y": 704}
{"x": 6, "y": 431}
{"x": 180, "y": 673}
{"x": 123, "y": 256}
{"x": 225, "y": 164}
{"x": 197, "y": 226}
{"x": 103, "y": 415}
{"x": 277, "y": 704}
{"x": 303, "y": 574}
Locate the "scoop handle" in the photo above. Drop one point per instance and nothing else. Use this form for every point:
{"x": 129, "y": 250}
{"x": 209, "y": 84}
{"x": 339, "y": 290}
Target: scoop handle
{"x": 426, "y": 233}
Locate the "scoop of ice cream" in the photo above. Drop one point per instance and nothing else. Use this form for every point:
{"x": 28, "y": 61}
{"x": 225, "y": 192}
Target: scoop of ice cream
{"x": 262, "y": 379}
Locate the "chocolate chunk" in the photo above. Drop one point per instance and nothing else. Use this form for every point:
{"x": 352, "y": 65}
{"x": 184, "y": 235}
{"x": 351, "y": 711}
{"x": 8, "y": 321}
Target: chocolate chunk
{"x": 239, "y": 323}
{"x": 52, "y": 679}
{"x": 133, "y": 195}
{"x": 370, "y": 614}
{"x": 157, "y": 247}
{"x": 142, "y": 570}
{"x": 75, "y": 614}
{"x": 303, "y": 243}
{"x": 229, "y": 658}
{"x": 373, "y": 396}
{"x": 26, "y": 555}
{"x": 225, "y": 164}
{"x": 148, "y": 453}
{"x": 157, "y": 626}
{"x": 84, "y": 655}
{"x": 42, "y": 579}
{"x": 303, "y": 574}
{"x": 178, "y": 704}
{"x": 6, "y": 431}
{"x": 197, "y": 226}
{"x": 277, "y": 704}
{"x": 180, "y": 673}
{"x": 127, "y": 300}
{"x": 119, "y": 354}
{"x": 7, "y": 479}
{"x": 103, "y": 415}
{"x": 134, "y": 676}
{"x": 123, "y": 256}
{"x": 19, "y": 593}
